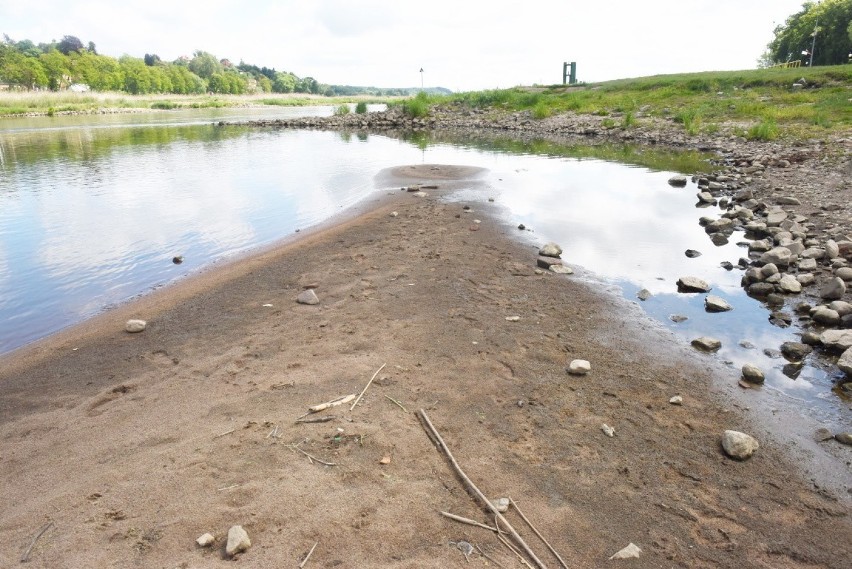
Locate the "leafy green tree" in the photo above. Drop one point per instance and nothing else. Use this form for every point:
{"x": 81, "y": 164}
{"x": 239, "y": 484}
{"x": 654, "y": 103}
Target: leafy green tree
{"x": 830, "y": 20}
{"x": 284, "y": 82}
{"x": 205, "y": 64}
{"x": 69, "y": 44}
{"x": 28, "y": 72}
{"x": 152, "y": 59}
{"x": 56, "y": 66}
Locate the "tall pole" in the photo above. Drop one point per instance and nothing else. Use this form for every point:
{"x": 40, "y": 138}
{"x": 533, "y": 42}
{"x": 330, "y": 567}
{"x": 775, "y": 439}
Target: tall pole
{"x": 421, "y": 78}
{"x": 813, "y": 44}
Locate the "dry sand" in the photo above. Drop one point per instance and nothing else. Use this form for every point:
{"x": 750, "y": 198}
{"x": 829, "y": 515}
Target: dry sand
{"x": 133, "y": 445}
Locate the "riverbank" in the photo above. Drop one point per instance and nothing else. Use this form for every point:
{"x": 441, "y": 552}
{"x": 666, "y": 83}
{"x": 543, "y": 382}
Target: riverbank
{"x": 127, "y": 447}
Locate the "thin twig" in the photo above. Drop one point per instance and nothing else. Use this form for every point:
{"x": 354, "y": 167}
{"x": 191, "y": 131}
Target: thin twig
{"x": 225, "y": 433}
{"x": 541, "y": 537}
{"x": 308, "y": 556}
{"x": 511, "y": 548}
{"x": 327, "y": 404}
{"x": 401, "y": 406}
{"x": 26, "y": 556}
{"x": 229, "y": 487}
{"x": 368, "y": 386}
{"x": 273, "y": 432}
{"x": 316, "y": 419}
{"x": 312, "y": 457}
{"x": 467, "y": 521}
{"x": 489, "y": 558}
{"x": 430, "y": 429}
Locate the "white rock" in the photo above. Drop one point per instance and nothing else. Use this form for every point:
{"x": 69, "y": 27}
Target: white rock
{"x": 845, "y": 362}
{"x": 692, "y": 284}
{"x": 676, "y": 400}
{"x": 791, "y": 284}
{"x": 707, "y": 344}
{"x": 561, "y": 269}
{"x": 135, "y": 326}
{"x": 579, "y": 367}
{"x": 238, "y": 540}
{"x": 307, "y": 297}
{"x": 550, "y": 250}
{"x": 630, "y": 552}
{"x": 836, "y": 339}
{"x": 500, "y": 504}
{"x": 513, "y": 318}
{"x": 739, "y": 446}
{"x": 394, "y": 213}
{"x": 715, "y": 303}
{"x": 205, "y": 540}
{"x": 607, "y": 430}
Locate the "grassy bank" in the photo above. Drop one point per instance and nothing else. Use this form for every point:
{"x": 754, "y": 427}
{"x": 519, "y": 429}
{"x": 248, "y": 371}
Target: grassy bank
{"x": 757, "y": 104}
{"x": 45, "y": 102}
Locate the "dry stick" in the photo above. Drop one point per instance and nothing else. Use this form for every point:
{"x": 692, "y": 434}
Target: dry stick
{"x": 401, "y": 406}
{"x": 485, "y": 555}
{"x": 511, "y": 548}
{"x": 467, "y": 521}
{"x": 26, "y": 556}
{"x": 368, "y": 386}
{"x": 225, "y": 433}
{"x": 312, "y": 456}
{"x": 308, "y": 556}
{"x": 327, "y": 404}
{"x": 317, "y": 419}
{"x": 541, "y": 537}
{"x": 433, "y": 433}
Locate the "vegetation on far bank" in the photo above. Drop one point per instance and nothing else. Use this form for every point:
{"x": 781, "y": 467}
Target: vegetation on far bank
{"x": 761, "y": 104}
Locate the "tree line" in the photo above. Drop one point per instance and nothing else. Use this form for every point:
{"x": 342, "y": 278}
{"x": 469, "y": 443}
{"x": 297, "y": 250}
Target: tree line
{"x": 58, "y": 65}
{"x": 821, "y": 29}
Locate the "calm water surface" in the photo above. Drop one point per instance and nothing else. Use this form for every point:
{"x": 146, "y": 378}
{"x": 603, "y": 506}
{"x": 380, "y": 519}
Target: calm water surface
{"x": 92, "y": 210}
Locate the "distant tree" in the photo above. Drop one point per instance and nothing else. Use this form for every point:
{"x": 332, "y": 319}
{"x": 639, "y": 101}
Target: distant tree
{"x": 92, "y": 48}
{"x": 69, "y": 44}
{"x": 56, "y": 66}
{"x": 151, "y": 59}
{"x": 284, "y": 82}
{"x": 27, "y": 72}
{"x": 830, "y": 20}
{"x": 205, "y": 64}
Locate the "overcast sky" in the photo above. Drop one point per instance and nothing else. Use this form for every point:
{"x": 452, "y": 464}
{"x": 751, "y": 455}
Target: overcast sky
{"x": 459, "y": 45}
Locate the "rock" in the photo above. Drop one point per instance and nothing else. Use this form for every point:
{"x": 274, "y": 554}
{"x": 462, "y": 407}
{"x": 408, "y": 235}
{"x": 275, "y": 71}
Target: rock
{"x": 775, "y": 218}
{"x": 844, "y": 273}
{"x": 839, "y": 340}
{"x": 784, "y": 200}
{"x": 705, "y": 197}
{"x": 739, "y": 446}
{"x": 692, "y": 284}
{"x": 715, "y": 303}
{"x": 238, "y": 541}
{"x": 420, "y": 194}
{"x": 707, "y": 344}
{"x": 607, "y": 430}
{"x": 676, "y": 400}
{"x": 513, "y": 318}
{"x": 807, "y": 264}
{"x": 561, "y": 269}
{"x": 813, "y": 253}
{"x": 833, "y": 289}
{"x": 761, "y": 289}
{"x": 780, "y": 256}
{"x": 631, "y": 551}
{"x": 550, "y": 250}
{"x": 677, "y": 181}
{"x": 745, "y": 344}
{"x": 205, "y": 540}
{"x": 177, "y": 260}
{"x": 795, "y": 350}
{"x": 843, "y": 308}
{"x": 790, "y": 284}
{"x": 719, "y": 239}
{"x": 135, "y": 326}
{"x": 768, "y": 270}
{"x": 832, "y": 251}
{"x": 307, "y": 297}
{"x": 579, "y": 367}
{"x": 692, "y": 253}
{"x": 678, "y": 318}
{"x": 521, "y": 226}
{"x": 394, "y": 214}
{"x": 500, "y": 504}
{"x": 644, "y": 294}
{"x": 805, "y": 279}
{"x": 825, "y": 315}
{"x": 822, "y": 434}
{"x": 845, "y": 362}
{"x": 844, "y": 438}
{"x": 753, "y": 374}
{"x": 547, "y": 262}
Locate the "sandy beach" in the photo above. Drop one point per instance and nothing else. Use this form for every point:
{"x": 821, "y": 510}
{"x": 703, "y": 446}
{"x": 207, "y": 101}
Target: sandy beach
{"x": 125, "y": 448}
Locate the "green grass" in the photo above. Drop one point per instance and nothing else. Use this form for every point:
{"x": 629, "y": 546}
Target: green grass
{"x": 722, "y": 99}
{"x": 361, "y": 108}
{"x": 342, "y": 110}
{"x": 418, "y": 106}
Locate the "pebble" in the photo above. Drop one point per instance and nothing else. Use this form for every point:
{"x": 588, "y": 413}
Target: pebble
{"x": 707, "y": 344}
{"x": 632, "y": 551}
{"x": 677, "y": 181}
{"x": 795, "y": 350}
{"x": 676, "y": 400}
{"x": 205, "y": 540}
{"x": 644, "y": 294}
{"x": 135, "y": 326}
{"x": 607, "y": 430}
{"x": 692, "y": 253}
{"x": 739, "y": 446}
{"x": 844, "y": 438}
{"x": 678, "y": 318}
{"x": 177, "y": 260}
{"x": 822, "y": 434}
{"x": 512, "y": 318}
{"x": 500, "y": 504}
{"x": 394, "y": 214}
{"x": 692, "y": 284}
{"x": 238, "y": 540}
{"x": 753, "y": 374}
{"x": 307, "y": 297}
{"x": 561, "y": 270}
{"x": 579, "y": 367}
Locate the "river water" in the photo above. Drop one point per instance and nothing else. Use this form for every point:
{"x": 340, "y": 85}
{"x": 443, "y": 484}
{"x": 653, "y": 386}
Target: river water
{"x": 94, "y": 208}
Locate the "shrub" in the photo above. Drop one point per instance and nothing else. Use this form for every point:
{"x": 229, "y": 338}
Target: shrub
{"x": 342, "y": 110}
{"x": 361, "y": 108}
{"x": 764, "y": 130}
{"x": 541, "y": 111}
{"x": 418, "y": 106}
{"x": 629, "y": 120}
{"x": 165, "y": 105}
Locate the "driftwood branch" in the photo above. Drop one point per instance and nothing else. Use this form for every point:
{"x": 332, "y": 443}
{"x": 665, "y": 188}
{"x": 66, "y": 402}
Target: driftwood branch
{"x": 368, "y": 386}
{"x": 442, "y": 446}
{"x": 26, "y": 556}
{"x": 467, "y": 521}
{"x": 328, "y": 404}
{"x": 541, "y": 537}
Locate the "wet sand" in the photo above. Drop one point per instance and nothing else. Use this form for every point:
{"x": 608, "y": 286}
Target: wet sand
{"x": 133, "y": 445}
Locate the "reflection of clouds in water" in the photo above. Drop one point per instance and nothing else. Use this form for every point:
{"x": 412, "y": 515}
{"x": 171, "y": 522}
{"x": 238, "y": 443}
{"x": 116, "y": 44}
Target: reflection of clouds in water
{"x": 624, "y": 223}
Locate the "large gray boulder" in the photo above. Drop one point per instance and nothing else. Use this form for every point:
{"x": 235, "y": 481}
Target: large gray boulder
{"x": 715, "y": 303}
{"x": 845, "y": 362}
{"x": 780, "y": 256}
{"x": 839, "y": 340}
{"x": 550, "y": 250}
{"x": 692, "y": 284}
{"x": 833, "y": 289}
